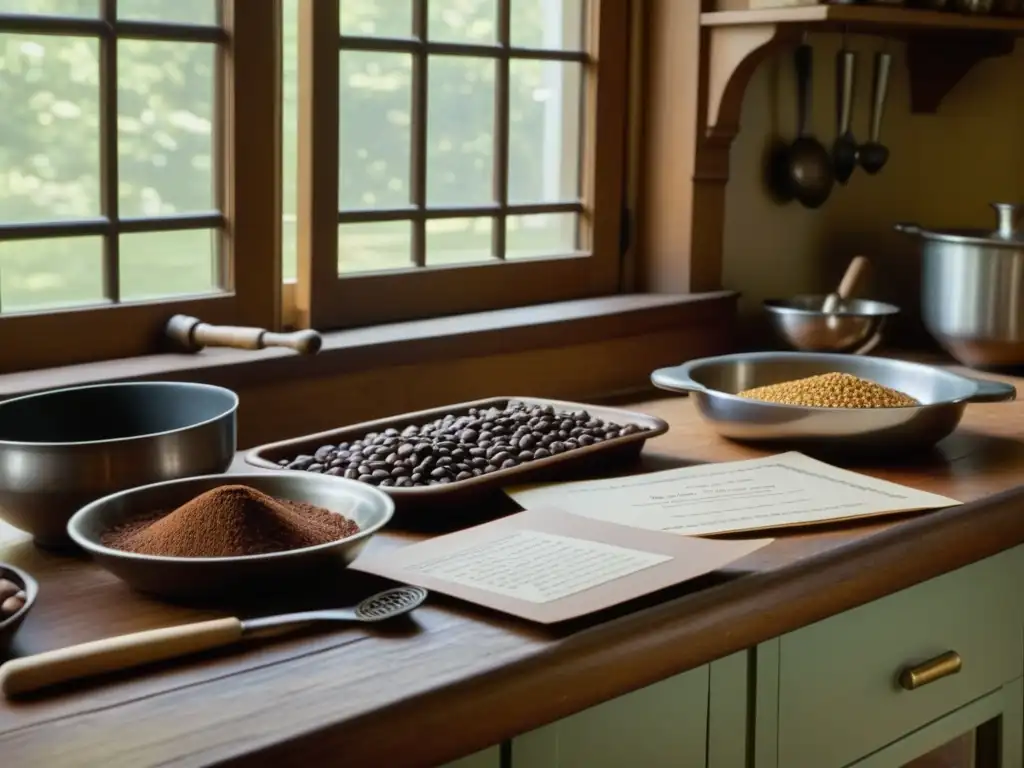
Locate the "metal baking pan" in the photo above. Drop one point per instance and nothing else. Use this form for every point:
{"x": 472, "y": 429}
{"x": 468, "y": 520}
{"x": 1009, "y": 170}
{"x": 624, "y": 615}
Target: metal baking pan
{"x": 715, "y": 381}
{"x": 550, "y": 468}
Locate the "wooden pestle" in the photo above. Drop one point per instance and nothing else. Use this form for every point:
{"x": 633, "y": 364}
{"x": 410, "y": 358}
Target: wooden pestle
{"x": 847, "y": 286}
{"x": 191, "y": 334}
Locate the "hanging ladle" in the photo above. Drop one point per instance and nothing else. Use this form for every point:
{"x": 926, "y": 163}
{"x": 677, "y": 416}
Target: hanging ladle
{"x": 873, "y": 154}
{"x": 32, "y": 673}
{"x": 844, "y": 149}
{"x": 808, "y": 168}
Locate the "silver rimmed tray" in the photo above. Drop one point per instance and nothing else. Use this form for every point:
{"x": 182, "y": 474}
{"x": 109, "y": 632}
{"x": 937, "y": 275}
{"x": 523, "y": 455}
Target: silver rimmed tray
{"x": 943, "y": 395}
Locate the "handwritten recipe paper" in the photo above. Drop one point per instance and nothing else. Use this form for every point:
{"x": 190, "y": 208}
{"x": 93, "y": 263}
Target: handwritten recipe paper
{"x": 549, "y": 566}
{"x": 789, "y": 489}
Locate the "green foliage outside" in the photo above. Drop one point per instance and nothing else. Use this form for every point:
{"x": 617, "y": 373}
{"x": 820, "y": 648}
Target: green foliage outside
{"x": 49, "y": 144}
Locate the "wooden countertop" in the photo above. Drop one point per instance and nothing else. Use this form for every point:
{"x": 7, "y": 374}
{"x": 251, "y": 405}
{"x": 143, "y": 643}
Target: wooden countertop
{"x": 457, "y": 679}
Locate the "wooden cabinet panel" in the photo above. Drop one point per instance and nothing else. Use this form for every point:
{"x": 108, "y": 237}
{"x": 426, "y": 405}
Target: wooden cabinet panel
{"x": 838, "y": 695}
{"x": 661, "y": 726}
{"x": 489, "y": 758}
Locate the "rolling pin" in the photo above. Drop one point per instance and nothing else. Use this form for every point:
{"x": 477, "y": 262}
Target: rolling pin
{"x": 191, "y": 334}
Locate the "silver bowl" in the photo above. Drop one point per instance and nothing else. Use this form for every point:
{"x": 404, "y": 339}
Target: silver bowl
{"x": 856, "y": 327}
{"x": 943, "y": 395}
{"x": 10, "y": 625}
{"x": 216, "y": 577}
{"x": 64, "y": 448}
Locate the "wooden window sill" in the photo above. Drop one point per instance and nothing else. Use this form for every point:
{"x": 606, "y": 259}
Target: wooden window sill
{"x": 382, "y": 346}
{"x": 587, "y": 349}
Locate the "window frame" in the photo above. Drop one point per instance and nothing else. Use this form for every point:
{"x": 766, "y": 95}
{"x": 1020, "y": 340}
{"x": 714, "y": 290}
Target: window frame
{"x": 247, "y": 142}
{"x": 325, "y": 300}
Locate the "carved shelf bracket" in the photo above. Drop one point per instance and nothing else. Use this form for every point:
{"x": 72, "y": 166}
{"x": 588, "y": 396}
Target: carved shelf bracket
{"x": 733, "y": 56}
{"x": 937, "y": 62}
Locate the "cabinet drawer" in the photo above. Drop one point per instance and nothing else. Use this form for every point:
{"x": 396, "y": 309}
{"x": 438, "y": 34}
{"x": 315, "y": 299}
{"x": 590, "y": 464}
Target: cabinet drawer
{"x": 839, "y": 695}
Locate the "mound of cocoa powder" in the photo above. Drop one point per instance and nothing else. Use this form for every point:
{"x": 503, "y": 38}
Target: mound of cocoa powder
{"x": 231, "y": 521}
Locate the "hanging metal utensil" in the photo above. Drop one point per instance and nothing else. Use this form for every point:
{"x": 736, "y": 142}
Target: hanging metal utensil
{"x": 845, "y": 148}
{"x": 873, "y": 154}
{"x": 809, "y": 165}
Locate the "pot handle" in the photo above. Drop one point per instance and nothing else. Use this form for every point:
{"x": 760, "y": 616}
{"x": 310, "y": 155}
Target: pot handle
{"x": 907, "y": 228}
{"x": 677, "y": 378}
{"x": 990, "y": 391}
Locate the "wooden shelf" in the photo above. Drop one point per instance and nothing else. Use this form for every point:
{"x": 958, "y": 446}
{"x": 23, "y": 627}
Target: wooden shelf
{"x": 866, "y": 18}
{"x": 941, "y": 48}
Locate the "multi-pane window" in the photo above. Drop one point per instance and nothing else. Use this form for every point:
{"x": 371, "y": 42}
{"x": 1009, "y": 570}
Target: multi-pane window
{"x": 459, "y": 154}
{"x": 117, "y": 121}
{"x": 436, "y": 157}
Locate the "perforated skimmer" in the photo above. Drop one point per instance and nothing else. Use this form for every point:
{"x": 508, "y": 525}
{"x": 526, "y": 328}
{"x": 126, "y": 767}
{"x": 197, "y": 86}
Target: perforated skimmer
{"x": 31, "y": 673}
{"x": 383, "y": 605}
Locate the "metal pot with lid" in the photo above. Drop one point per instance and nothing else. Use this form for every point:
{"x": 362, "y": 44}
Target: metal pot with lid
{"x": 972, "y": 289}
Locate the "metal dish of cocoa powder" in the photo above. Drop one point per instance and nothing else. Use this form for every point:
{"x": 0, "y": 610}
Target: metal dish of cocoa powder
{"x": 597, "y": 437}
{"x": 214, "y": 579}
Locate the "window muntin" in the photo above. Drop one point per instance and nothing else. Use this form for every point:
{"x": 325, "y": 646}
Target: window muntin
{"x": 456, "y": 149}
{"x": 127, "y": 182}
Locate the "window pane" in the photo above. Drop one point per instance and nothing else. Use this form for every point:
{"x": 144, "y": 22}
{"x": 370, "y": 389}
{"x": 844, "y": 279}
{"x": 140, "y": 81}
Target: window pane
{"x": 51, "y": 7}
{"x": 459, "y": 241}
{"x": 49, "y": 128}
{"x": 159, "y": 264}
{"x": 41, "y": 274}
{"x": 544, "y": 131}
{"x": 460, "y": 131}
{"x": 374, "y": 247}
{"x": 376, "y": 107}
{"x": 177, "y": 11}
{"x": 376, "y": 18}
{"x": 165, "y": 114}
{"x": 551, "y": 24}
{"x": 546, "y": 234}
{"x": 463, "y": 21}
{"x": 289, "y": 139}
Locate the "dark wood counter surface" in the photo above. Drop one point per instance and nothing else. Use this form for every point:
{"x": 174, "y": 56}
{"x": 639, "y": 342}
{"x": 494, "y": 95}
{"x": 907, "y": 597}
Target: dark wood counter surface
{"x": 457, "y": 679}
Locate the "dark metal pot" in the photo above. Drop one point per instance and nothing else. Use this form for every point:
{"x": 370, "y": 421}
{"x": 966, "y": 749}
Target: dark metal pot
{"x": 62, "y": 449}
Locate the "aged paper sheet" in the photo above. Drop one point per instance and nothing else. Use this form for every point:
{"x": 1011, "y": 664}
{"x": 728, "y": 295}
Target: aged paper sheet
{"x": 789, "y": 489}
{"x": 548, "y": 566}
{"x": 535, "y": 566}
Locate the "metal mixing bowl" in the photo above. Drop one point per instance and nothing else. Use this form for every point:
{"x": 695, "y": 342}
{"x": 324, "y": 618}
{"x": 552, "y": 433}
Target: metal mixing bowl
{"x": 856, "y": 326}
{"x": 64, "y": 448}
{"x": 943, "y": 395}
{"x": 10, "y": 625}
{"x": 213, "y": 577}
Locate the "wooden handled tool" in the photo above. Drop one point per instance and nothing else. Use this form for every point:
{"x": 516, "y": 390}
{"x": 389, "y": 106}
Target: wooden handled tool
{"x": 191, "y": 334}
{"x": 20, "y": 676}
{"x": 32, "y": 673}
{"x": 848, "y": 285}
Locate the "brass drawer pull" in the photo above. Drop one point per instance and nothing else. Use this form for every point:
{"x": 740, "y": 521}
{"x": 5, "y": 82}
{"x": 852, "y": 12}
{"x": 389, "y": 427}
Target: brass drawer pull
{"x": 945, "y": 665}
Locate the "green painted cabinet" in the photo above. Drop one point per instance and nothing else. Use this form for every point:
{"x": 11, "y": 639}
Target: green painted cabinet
{"x": 664, "y": 725}
{"x": 828, "y": 695}
{"x": 824, "y": 696}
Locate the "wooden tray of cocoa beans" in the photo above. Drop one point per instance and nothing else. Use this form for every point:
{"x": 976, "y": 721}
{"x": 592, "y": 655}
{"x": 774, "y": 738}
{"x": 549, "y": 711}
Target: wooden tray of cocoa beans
{"x": 462, "y": 451}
